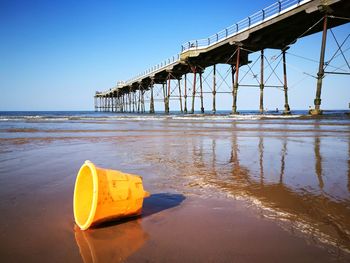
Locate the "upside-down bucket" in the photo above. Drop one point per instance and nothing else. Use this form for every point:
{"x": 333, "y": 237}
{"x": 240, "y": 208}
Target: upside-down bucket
{"x": 102, "y": 194}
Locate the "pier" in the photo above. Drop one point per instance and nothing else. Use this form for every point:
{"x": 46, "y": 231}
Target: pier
{"x": 275, "y": 27}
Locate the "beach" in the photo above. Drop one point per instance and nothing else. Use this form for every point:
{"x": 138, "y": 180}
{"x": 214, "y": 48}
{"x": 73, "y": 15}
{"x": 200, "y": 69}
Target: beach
{"x": 224, "y": 188}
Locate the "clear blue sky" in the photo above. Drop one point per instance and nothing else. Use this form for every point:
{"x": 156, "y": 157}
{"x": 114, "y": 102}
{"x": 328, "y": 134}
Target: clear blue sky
{"x": 55, "y": 54}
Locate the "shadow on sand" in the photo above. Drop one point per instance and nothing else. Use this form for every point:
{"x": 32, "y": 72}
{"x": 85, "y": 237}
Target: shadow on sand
{"x": 155, "y": 203}
{"x": 159, "y": 202}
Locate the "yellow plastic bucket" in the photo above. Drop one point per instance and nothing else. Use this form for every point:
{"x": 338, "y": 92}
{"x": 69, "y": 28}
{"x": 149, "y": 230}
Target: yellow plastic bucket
{"x": 103, "y": 194}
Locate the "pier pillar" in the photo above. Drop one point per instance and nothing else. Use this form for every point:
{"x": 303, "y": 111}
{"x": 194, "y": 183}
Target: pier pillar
{"x": 180, "y": 96}
{"x": 126, "y": 103}
{"x": 122, "y": 103}
{"x": 320, "y": 74}
{"x": 185, "y": 95}
{"x": 194, "y": 87}
{"x": 233, "y": 71}
{"x": 129, "y": 99}
{"x": 167, "y": 110}
{"x": 142, "y": 101}
{"x": 112, "y": 103}
{"x": 151, "y": 106}
{"x": 107, "y": 98}
{"x": 261, "y": 107}
{"x": 235, "y": 85}
{"x": 133, "y": 101}
{"x": 139, "y": 101}
{"x": 95, "y": 103}
{"x": 164, "y": 95}
{"x": 214, "y": 89}
{"x": 201, "y": 90}
{"x": 285, "y": 84}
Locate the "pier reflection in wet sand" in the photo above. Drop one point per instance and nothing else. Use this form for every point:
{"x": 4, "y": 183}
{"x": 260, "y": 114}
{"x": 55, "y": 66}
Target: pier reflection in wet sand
{"x": 303, "y": 179}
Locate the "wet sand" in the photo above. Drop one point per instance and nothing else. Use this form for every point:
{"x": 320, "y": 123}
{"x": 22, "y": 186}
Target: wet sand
{"x": 275, "y": 190}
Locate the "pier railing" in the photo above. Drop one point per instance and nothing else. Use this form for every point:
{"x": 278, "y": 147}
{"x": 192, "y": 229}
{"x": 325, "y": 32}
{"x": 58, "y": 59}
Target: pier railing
{"x": 259, "y": 17}
{"x": 155, "y": 68}
{"x": 251, "y": 21}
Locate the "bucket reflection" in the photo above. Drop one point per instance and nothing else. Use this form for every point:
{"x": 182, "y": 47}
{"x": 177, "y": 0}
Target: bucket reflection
{"x": 110, "y": 244}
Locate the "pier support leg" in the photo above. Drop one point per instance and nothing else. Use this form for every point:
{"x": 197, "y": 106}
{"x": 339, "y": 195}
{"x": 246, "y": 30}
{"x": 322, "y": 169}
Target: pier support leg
{"x": 185, "y": 96}
{"x": 320, "y": 74}
{"x": 261, "y": 107}
{"x": 139, "y": 101}
{"x": 151, "y": 106}
{"x": 133, "y": 101}
{"x": 214, "y": 89}
{"x": 235, "y": 86}
{"x": 165, "y": 96}
{"x": 285, "y": 84}
{"x": 126, "y": 102}
{"x": 117, "y": 103}
{"x": 233, "y": 71}
{"x": 201, "y": 90}
{"x": 142, "y": 101}
{"x": 168, "y": 95}
{"x": 194, "y": 88}
{"x": 129, "y": 100}
{"x": 112, "y": 103}
{"x": 180, "y": 97}
{"x": 122, "y": 104}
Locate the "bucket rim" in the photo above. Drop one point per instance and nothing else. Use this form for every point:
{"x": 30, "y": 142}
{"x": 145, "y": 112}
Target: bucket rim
{"x": 92, "y": 212}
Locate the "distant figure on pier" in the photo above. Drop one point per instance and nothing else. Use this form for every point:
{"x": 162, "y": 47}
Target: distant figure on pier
{"x": 276, "y": 109}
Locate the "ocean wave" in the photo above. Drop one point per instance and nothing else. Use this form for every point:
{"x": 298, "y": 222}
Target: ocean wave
{"x": 145, "y": 117}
